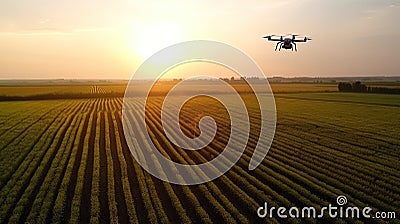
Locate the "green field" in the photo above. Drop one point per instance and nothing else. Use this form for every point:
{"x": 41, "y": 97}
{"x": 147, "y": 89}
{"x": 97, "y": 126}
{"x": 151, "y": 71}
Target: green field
{"x": 26, "y": 89}
{"x": 67, "y": 160}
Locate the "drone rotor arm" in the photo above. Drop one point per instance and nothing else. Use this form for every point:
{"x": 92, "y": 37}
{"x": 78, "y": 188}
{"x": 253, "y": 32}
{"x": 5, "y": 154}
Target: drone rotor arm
{"x": 270, "y": 37}
{"x": 305, "y": 39}
{"x": 274, "y": 39}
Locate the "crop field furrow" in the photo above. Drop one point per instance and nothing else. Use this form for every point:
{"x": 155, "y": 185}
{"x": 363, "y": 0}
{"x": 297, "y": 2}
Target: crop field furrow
{"x": 344, "y": 156}
{"x": 132, "y": 215}
{"x": 42, "y": 206}
{"x": 152, "y": 187}
{"x": 357, "y": 150}
{"x": 324, "y": 122}
{"x": 246, "y": 164}
{"x": 272, "y": 181}
{"x": 12, "y": 112}
{"x": 142, "y": 185}
{"x": 280, "y": 184}
{"x": 201, "y": 200}
{"x": 179, "y": 213}
{"x": 324, "y": 153}
{"x": 342, "y": 153}
{"x": 104, "y": 173}
{"x": 220, "y": 213}
{"x": 87, "y": 174}
{"x": 211, "y": 191}
{"x": 119, "y": 192}
{"x": 24, "y": 126}
{"x": 69, "y": 161}
{"x": 375, "y": 127}
{"x": 27, "y": 198}
{"x": 289, "y": 163}
{"x": 95, "y": 188}
{"x": 368, "y": 182}
{"x": 332, "y": 183}
{"x": 19, "y": 120}
{"x": 18, "y": 147}
{"x": 111, "y": 201}
{"x": 187, "y": 158}
{"x": 19, "y": 181}
{"x": 139, "y": 188}
{"x": 307, "y": 157}
{"x": 328, "y": 180}
{"x": 291, "y": 141}
{"x": 367, "y": 135}
{"x": 341, "y": 163}
{"x": 61, "y": 202}
{"x": 190, "y": 200}
{"x": 337, "y": 101}
{"x": 73, "y": 176}
{"x": 23, "y": 147}
{"x": 79, "y": 184}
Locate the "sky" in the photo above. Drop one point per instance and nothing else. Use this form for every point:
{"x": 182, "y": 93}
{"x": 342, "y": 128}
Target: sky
{"x": 90, "y": 39}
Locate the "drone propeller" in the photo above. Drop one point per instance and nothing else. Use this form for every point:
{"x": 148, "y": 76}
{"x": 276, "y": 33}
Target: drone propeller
{"x": 307, "y": 38}
{"x": 293, "y": 36}
{"x": 269, "y": 36}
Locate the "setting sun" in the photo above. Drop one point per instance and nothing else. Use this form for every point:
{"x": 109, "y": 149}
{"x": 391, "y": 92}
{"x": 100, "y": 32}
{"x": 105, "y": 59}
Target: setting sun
{"x": 151, "y": 37}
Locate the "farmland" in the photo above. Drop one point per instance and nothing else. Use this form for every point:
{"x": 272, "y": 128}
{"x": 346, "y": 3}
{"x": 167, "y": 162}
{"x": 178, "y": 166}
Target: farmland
{"x": 60, "y": 89}
{"x": 68, "y": 161}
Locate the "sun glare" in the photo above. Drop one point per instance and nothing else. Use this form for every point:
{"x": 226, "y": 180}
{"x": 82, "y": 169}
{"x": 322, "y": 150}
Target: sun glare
{"x": 151, "y": 37}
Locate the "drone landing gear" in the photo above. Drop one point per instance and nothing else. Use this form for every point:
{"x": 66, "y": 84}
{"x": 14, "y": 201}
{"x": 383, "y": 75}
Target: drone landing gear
{"x": 280, "y": 42}
{"x": 280, "y": 45}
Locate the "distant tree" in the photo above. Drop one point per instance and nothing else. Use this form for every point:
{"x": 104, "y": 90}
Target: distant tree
{"x": 362, "y": 88}
{"x": 358, "y": 87}
{"x": 341, "y": 86}
{"x": 345, "y": 87}
{"x": 232, "y": 78}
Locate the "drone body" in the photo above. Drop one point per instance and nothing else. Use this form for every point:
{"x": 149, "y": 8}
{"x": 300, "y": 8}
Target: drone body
{"x": 286, "y": 42}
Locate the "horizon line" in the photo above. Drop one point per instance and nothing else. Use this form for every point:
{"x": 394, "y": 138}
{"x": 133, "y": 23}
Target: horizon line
{"x": 273, "y": 77}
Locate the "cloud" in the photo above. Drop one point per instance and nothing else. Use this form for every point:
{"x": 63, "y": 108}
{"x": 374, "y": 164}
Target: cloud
{"x": 44, "y": 21}
{"x": 54, "y": 33}
{"x": 51, "y": 31}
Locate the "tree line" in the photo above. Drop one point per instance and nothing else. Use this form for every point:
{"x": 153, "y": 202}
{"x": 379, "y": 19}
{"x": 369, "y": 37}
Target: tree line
{"x": 362, "y": 88}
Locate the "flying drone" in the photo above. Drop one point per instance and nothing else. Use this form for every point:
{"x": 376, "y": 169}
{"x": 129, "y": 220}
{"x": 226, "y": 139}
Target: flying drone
{"x": 286, "y": 42}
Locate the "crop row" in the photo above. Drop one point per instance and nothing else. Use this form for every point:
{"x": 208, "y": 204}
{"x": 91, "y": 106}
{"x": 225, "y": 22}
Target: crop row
{"x": 74, "y": 165}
